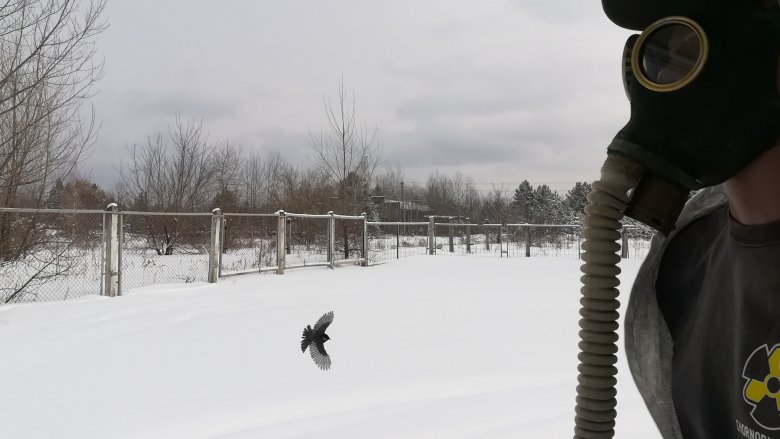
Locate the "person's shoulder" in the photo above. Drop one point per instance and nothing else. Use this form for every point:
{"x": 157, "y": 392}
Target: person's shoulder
{"x": 703, "y": 217}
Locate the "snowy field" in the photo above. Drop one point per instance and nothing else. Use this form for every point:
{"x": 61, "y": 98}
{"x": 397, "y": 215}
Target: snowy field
{"x": 422, "y": 347}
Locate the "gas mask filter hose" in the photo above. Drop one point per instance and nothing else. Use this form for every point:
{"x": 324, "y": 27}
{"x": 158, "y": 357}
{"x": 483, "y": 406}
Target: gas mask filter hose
{"x": 595, "y": 405}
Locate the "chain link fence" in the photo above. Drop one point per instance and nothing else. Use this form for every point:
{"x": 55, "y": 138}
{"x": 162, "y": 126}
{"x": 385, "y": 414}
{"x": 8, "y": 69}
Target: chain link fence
{"x": 555, "y": 241}
{"x": 394, "y": 240}
{"x": 478, "y": 240}
{"x": 249, "y": 243}
{"x": 50, "y": 254}
{"x": 348, "y": 240}
{"x": 163, "y": 248}
{"x": 503, "y": 240}
{"x": 307, "y": 240}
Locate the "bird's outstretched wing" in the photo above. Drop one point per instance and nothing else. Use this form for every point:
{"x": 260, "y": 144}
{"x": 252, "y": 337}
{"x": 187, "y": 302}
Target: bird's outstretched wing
{"x": 318, "y": 354}
{"x": 323, "y": 322}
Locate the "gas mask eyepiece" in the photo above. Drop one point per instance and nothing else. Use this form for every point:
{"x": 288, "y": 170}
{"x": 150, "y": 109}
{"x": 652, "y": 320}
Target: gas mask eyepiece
{"x": 669, "y": 54}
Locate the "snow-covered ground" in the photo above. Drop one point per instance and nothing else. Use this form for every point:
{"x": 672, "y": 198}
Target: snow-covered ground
{"x": 422, "y": 347}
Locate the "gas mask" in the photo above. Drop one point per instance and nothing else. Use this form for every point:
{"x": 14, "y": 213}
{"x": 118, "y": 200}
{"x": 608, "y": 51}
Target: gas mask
{"x": 702, "y": 81}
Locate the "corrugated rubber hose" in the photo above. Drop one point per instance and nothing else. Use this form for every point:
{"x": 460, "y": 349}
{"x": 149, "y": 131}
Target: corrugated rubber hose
{"x": 595, "y": 408}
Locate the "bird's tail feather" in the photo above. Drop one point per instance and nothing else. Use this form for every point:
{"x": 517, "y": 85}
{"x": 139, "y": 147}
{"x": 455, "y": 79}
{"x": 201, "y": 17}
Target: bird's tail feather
{"x": 307, "y": 335}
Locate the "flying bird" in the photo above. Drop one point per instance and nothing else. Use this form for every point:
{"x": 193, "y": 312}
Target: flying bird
{"x": 315, "y": 339}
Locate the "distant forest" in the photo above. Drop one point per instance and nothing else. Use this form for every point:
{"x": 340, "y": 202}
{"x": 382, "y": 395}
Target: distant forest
{"x": 182, "y": 172}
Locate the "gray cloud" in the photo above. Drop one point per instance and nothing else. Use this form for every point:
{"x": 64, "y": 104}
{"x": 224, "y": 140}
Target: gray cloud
{"x": 211, "y": 108}
{"x": 493, "y": 89}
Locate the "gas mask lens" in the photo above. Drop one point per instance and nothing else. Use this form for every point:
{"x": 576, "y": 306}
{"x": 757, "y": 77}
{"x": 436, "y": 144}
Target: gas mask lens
{"x": 669, "y": 54}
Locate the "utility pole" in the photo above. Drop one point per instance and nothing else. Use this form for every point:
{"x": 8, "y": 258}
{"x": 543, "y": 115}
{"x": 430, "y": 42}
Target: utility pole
{"x": 403, "y": 217}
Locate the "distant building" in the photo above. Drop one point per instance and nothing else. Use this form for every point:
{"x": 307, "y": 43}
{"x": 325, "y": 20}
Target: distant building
{"x": 395, "y": 210}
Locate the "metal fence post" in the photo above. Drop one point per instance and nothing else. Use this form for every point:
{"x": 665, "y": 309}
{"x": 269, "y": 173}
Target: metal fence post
{"x": 528, "y": 242}
{"x": 111, "y": 264}
{"x": 431, "y": 236}
{"x": 398, "y": 241}
{"x": 468, "y": 236}
{"x": 215, "y": 246}
{"x": 624, "y": 246}
{"x": 288, "y": 238}
{"x": 331, "y": 240}
{"x": 452, "y": 236}
{"x": 365, "y": 240}
{"x": 281, "y": 231}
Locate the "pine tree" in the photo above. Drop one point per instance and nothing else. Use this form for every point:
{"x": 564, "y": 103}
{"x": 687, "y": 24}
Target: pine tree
{"x": 56, "y": 194}
{"x": 576, "y": 200}
{"x": 523, "y": 201}
{"x": 547, "y": 206}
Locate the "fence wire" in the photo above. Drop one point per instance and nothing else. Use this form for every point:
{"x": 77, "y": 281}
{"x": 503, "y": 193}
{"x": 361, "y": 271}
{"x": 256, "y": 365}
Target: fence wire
{"x": 50, "y": 256}
{"x": 544, "y": 241}
{"x": 60, "y": 254}
{"x": 307, "y": 241}
{"x": 638, "y": 241}
{"x": 161, "y": 249}
{"x": 516, "y": 240}
{"x": 476, "y": 240}
{"x": 248, "y": 244}
{"x": 387, "y": 241}
{"x": 348, "y": 239}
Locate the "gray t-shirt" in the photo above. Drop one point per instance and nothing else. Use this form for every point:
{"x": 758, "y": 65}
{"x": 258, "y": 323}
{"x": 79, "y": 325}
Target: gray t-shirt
{"x": 718, "y": 289}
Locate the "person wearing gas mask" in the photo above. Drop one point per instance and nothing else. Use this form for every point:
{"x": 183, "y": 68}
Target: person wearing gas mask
{"x": 702, "y": 326}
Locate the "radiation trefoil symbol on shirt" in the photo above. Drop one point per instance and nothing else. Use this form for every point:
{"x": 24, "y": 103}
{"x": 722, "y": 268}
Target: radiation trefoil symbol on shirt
{"x": 762, "y": 386}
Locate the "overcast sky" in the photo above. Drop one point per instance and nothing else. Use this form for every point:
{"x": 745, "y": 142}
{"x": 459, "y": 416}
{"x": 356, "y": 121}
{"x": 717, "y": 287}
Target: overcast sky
{"x": 502, "y": 90}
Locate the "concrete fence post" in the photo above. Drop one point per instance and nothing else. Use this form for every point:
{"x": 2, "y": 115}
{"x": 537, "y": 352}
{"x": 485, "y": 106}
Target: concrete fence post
{"x": 487, "y": 236}
{"x": 281, "y": 232}
{"x": 431, "y": 236}
{"x": 121, "y": 235}
{"x": 111, "y": 262}
{"x": 365, "y": 240}
{"x": 528, "y": 242}
{"x": 222, "y": 249}
{"x": 452, "y": 236}
{"x": 331, "y": 240}
{"x": 288, "y": 237}
{"x": 215, "y": 248}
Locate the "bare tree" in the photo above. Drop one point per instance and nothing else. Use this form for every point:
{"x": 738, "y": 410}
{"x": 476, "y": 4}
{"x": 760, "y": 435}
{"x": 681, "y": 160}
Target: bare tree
{"x": 48, "y": 69}
{"x": 252, "y": 183}
{"x": 226, "y": 163}
{"x": 47, "y": 73}
{"x": 261, "y": 182}
{"x": 496, "y": 205}
{"x": 347, "y": 152}
{"x": 466, "y": 197}
{"x": 174, "y": 174}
